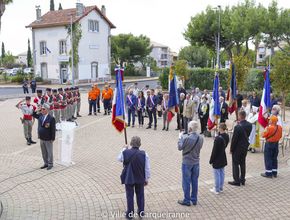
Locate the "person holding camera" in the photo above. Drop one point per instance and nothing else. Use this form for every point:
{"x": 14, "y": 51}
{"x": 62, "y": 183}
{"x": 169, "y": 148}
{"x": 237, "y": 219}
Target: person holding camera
{"x": 190, "y": 144}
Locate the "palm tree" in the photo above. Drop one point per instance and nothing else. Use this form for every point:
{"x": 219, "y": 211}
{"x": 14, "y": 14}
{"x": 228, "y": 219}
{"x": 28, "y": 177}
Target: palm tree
{"x": 3, "y": 4}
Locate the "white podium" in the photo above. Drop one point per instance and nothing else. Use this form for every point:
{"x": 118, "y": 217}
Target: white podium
{"x": 66, "y": 142}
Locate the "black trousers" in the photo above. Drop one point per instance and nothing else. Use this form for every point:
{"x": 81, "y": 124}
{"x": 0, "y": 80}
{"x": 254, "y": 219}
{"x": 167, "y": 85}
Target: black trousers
{"x": 98, "y": 104}
{"x": 179, "y": 121}
{"x": 203, "y": 124}
{"x": 33, "y": 89}
{"x": 25, "y": 90}
{"x": 152, "y": 115}
{"x": 139, "y": 190}
{"x": 239, "y": 165}
{"x": 140, "y": 117}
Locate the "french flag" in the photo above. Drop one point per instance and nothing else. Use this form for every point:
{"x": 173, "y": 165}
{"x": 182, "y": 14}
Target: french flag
{"x": 232, "y": 92}
{"x": 215, "y": 108}
{"x": 265, "y": 101}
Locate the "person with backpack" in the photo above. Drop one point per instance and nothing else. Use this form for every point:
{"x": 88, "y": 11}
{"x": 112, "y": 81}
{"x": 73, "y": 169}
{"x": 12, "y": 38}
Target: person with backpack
{"x": 218, "y": 158}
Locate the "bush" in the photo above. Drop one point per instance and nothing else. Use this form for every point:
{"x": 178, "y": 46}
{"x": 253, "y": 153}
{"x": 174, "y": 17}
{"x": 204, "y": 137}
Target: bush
{"x": 38, "y": 79}
{"x": 163, "y": 78}
{"x": 203, "y": 78}
{"x": 254, "y": 80}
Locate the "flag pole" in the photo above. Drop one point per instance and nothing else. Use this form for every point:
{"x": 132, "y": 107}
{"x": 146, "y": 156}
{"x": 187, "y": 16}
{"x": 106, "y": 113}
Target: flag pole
{"x": 124, "y": 118}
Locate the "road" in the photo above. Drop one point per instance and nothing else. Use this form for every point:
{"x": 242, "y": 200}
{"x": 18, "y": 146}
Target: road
{"x": 14, "y": 92}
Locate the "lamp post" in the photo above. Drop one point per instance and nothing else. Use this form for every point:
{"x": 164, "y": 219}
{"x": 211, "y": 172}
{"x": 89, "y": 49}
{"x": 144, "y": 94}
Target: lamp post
{"x": 72, "y": 50}
{"x": 218, "y": 40}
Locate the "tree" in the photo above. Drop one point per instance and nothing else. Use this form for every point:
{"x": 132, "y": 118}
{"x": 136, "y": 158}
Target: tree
{"x": 181, "y": 70}
{"x": 127, "y": 48}
{"x": 51, "y": 5}
{"x": 2, "y": 51}
{"x": 3, "y": 4}
{"x": 280, "y": 76}
{"x": 9, "y": 60}
{"x": 29, "y": 56}
{"x": 59, "y": 6}
{"x": 195, "y": 56}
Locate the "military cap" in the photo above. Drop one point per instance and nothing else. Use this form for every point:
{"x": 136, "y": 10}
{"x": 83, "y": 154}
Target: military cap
{"x": 66, "y": 89}
{"x": 48, "y": 89}
{"x": 27, "y": 98}
{"x": 60, "y": 89}
{"x": 39, "y": 91}
{"x": 54, "y": 90}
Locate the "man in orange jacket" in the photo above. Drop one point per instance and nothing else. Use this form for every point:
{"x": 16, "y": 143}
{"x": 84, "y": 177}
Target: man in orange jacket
{"x": 98, "y": 99}
{"x": 107, "y": 96}
{"x": 272, "y": 134}
{"x": 92, "y": 98}
{"x": 112, "y": 96}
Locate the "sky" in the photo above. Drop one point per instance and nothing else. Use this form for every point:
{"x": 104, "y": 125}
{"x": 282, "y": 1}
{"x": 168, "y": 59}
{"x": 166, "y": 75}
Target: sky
{"x": 163, "y": 21}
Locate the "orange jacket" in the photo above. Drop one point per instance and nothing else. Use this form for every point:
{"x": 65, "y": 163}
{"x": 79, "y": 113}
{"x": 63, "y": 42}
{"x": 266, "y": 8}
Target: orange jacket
{"x": 93, "y": 95}
{"x": 270, "y": 134}
{"x": 97, "y": 90}
{"x": 107, "y": 94}
{"x": 111, "y": 91}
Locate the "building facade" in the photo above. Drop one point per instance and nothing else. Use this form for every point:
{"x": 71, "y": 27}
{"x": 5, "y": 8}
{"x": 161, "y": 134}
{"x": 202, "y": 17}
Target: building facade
{"x": 162, "y": 54}
{"x": 52, "y": 44}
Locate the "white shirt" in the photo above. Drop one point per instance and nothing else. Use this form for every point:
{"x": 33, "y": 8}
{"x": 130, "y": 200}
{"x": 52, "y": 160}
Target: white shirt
{"x": 120, "y": 158}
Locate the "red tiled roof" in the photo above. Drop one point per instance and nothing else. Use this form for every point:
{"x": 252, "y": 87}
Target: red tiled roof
{"x": 63, "y": 17}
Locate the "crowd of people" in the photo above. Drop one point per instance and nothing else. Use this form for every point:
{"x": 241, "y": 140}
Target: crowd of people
{"x": 56, "y": 105}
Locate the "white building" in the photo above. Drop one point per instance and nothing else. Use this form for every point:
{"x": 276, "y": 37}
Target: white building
{"x": 263, "y": 52}
{"x": 162, "y": 54}
{"x": 22, "y": 59}
{"x": 52, "y": 44}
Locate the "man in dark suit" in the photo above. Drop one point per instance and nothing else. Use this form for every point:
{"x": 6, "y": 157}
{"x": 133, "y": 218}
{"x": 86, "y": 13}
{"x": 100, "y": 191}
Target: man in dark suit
{"x": 239, "y": 149}
{"x": 224, "y": 110}
{"x": 46, "y": 134}
{"x": 131, "y": 102}
{"x": 151, "y": 104}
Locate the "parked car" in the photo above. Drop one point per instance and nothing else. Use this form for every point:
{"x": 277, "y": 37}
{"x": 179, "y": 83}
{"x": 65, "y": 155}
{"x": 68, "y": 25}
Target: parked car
{"x": 28, "y": 70}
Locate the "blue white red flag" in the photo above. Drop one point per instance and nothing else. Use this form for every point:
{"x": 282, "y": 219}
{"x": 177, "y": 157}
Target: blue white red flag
{"x": 118, "y": 103}
{"x": 232, "y": 91}
{"x": 265, "y": 105}
{"x": 215, "y": 109}
{"x": 173, "y": 101}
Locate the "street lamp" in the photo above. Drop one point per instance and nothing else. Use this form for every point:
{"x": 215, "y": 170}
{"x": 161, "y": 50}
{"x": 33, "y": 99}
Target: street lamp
{"x": 218, "y": 38}
{"x": 72, "y": 50}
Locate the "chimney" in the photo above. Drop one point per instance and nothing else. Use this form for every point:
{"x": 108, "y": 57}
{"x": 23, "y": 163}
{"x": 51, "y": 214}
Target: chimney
{"x": 80, "y": 9}
{"x": 38, "y": 12}
{"x": 103, "y": 10}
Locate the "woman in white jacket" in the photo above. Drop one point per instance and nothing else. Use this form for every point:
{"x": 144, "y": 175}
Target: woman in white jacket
{"x": 254, "y": 136}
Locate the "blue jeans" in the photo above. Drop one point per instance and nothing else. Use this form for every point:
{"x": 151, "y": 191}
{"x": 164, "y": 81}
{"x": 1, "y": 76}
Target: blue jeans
{"x": 270, "y": 156}
{"x": 131, "y": 113}
{"x": 219, "y": 177}
{"x": 190, "y": 175}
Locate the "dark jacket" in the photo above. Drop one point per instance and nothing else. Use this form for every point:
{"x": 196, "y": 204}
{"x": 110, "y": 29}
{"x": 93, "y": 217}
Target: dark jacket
{"x": 224, "y": 112}
{"x": 239, "y": 100}
{"x": 201, "y": 114}
{"x": 240, "y": 139}
{"x": 149, "y": 103}
{"x": 218, "y": 157}
{"x": 134, "y": 166}
{"x": 46, "y": 129}
{"x": 132, "y": 105}
{"x": 255, "y": 101}
{"x": 142, "y": 102}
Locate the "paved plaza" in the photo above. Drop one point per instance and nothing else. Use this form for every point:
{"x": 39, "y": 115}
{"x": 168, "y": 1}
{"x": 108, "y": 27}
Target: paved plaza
{"x": 91, "y": 189}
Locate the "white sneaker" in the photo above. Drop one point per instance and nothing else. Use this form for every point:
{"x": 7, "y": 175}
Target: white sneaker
{"x": 221, "y": 191}
{"x": 214, "y": 191}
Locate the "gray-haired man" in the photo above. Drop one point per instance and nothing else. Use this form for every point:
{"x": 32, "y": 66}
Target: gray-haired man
{"x": 135, "y": 175}
{"x": 190, "y": 146}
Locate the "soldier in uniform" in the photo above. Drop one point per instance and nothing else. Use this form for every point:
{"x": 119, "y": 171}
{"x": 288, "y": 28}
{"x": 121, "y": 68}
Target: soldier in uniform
{"x": 27, "y": 109}
{"x": 74, "y": 102}
{"x": 48, "y": 100}
{"x": 39, "y": 99}
{"x": 56, "y": 100}
{"x": 69, "y": 106}
{"x": 78, "y": 101}
{"x": 62, "y": 106}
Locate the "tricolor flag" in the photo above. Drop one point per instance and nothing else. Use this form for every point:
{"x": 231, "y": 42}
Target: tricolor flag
{"x": 215, "y": 108}
{"x": 173, "y": 101}
{"x": 265, "y": 101}
{"x": 232, "y": 91}
{"x": 118, "y": 103}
